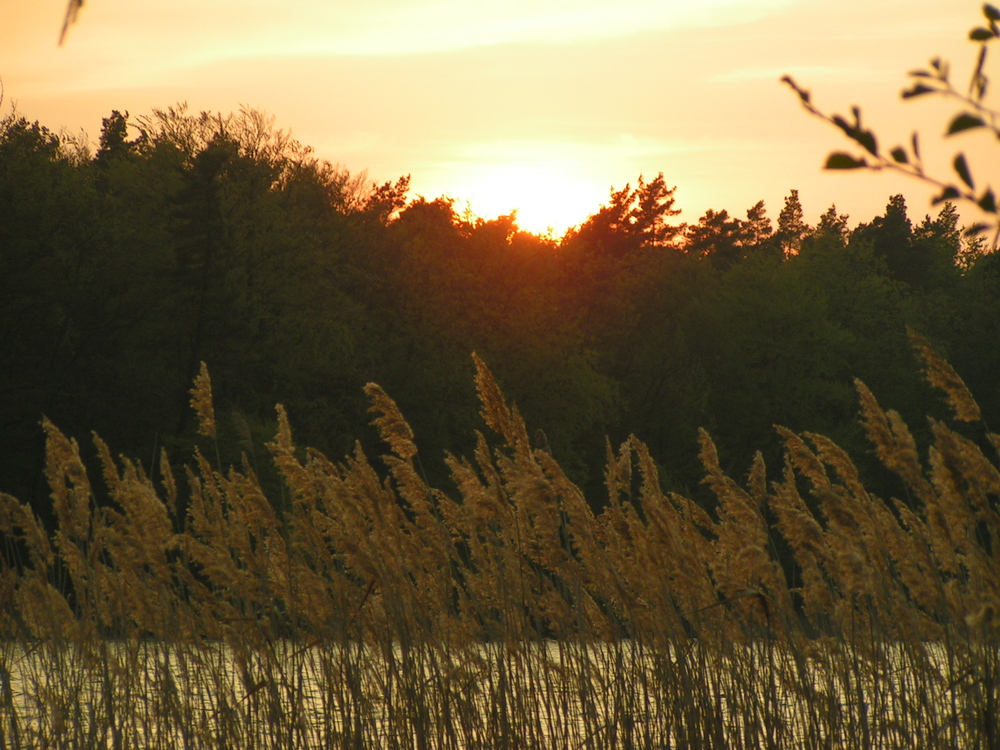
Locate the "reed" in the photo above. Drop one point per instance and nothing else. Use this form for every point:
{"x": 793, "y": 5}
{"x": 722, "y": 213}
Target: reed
{"x": 503, "y": 612}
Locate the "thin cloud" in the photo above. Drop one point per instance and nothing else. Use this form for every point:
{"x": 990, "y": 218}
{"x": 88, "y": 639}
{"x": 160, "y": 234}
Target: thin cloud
{"x": 799, "y": 72}
{"x": 408, "y": 28}
{"x": 226, "y": 29}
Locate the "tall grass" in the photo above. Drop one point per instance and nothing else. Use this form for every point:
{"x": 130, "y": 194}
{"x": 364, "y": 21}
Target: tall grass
{"x": 378, "y": 611}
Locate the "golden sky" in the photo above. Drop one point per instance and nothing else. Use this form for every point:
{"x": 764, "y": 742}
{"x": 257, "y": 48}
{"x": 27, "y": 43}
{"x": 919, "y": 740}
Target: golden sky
{"x": 538, "y": 105}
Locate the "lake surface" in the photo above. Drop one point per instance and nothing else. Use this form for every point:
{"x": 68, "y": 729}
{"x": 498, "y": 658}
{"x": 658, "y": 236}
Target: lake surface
{"x": 539, "y": 694}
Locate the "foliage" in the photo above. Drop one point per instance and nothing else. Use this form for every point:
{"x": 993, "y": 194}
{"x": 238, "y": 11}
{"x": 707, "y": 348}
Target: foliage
{"x": 197, "y": 237}
{"x": 975, "y": 114}
{"x": 636, "y": 218}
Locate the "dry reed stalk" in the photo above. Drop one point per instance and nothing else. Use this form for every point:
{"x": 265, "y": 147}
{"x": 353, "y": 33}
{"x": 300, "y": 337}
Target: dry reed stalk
{"x": 580, "y": 535}
{"x": 871, "y": 516}
{"x": 428, "y": 542}
{"x": 539, "y": 553}
{"x": 490, "y": 564}
{"x": 142, "y": 535}
{"x": 928, "y": 589}
{"x": 741, "y": 564}
{"x": 671, "y": 578}
{"x": 851, "y": 513}
{"x": 373, "y": 507}
{"x": 967, "y": 519}
{"x": 616, "y": 533}
{"x": 19, "y": 524}
{"x": 500, "y": 418}
{"x": 317, "y": 587}
{"x": 893, "y": 443}
{"x": 487, "y": 525}
{"x": 71, "y": 496}
{"x": 201, "y": 402}
{"x": 917, "y": 599}
{"x": 810, "y": 548}
{"x": 498, "y": 574}
{"x": 45, "y": 612}
{"x": 942, "y": 375}
{"x": 420, "y": 618}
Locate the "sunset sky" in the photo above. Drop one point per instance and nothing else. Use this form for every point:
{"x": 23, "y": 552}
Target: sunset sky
{"x": 538, "y": 105}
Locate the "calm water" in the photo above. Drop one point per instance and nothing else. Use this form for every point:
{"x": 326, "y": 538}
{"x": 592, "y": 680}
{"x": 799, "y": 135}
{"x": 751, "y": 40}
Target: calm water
{"x": 544, "y": 694}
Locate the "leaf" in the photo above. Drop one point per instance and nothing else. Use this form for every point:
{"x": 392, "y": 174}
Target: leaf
{"x": 864, "y": 138}
{"x": 965, "y": 121}
{"x": 949, "y": 193}
{"x": 988, "y": 202}
{"x": 867, "y": 140}
{"x": 918, "y": 89}
{"x": 843, "y": 160}
{"x": 915, "y": 142}
{"x": 841, "y": 123}
{"x": 980, "y": 34}
{"x": 919, "y": 74}
{"x": 962, "y": 168}
{"x": 899, "y": 154}
{"x": 990, "y": 12}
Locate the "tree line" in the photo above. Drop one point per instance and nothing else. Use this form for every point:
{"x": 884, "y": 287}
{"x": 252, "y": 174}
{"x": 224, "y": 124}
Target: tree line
{"x": 185, "y": 238}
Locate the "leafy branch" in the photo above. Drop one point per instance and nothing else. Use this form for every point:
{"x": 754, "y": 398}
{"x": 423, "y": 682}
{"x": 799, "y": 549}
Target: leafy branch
{"x": 907, "y": 160}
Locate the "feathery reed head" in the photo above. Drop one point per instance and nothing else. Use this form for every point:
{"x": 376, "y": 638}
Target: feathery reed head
{"x": 501, "y": 418}
{"x": 505, "y": 609}
{"x": 391, "y": 425}
{"x": 201, "y": 402}
{"x": 942, "y": 375}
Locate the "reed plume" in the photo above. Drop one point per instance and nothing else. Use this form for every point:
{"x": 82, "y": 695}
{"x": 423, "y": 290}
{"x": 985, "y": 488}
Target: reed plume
{"x": 201, "y": 402}
{"x": 942, "y": 375}
{"x": 369, "y": 608}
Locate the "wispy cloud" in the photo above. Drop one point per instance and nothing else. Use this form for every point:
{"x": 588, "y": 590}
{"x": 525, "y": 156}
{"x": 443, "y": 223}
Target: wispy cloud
{"x": 394, "y": 27}
{"x": 568, "y": 152}
{"x": 224, "y": 29}
{"x": 799, "y": 72}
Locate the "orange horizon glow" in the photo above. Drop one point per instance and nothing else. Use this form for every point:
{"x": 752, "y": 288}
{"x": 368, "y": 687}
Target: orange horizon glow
{"x": 539, "y": 106}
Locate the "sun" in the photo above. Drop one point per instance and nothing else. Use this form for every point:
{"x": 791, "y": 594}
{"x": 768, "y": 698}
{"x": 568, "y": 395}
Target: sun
{"x": 546, "y": 200}
{"x": 548, "y": 194}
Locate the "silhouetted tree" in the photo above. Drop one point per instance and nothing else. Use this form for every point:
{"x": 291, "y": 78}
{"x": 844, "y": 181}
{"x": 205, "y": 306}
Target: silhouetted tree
{"x": 634, "y": 219}
{"x": 757, "y": 229}
{"x": 832, "y": 225}
{"x": 716, "y": 237}
{"x": 791, "y": 225}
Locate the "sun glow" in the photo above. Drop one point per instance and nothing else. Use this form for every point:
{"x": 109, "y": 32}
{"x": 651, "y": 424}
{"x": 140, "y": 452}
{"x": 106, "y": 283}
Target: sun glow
{"x": 552, "y": 186}
{"x": 546, "y": 200}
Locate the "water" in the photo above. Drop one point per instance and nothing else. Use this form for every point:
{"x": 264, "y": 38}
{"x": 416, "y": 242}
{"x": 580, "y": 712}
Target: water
{"x": 539, "y": 694}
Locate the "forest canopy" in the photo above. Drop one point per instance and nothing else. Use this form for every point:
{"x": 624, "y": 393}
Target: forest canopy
{"x": 187, "y": 237}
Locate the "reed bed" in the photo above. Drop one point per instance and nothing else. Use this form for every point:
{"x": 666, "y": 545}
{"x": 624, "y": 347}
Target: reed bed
{"x": 376, "y": 611}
